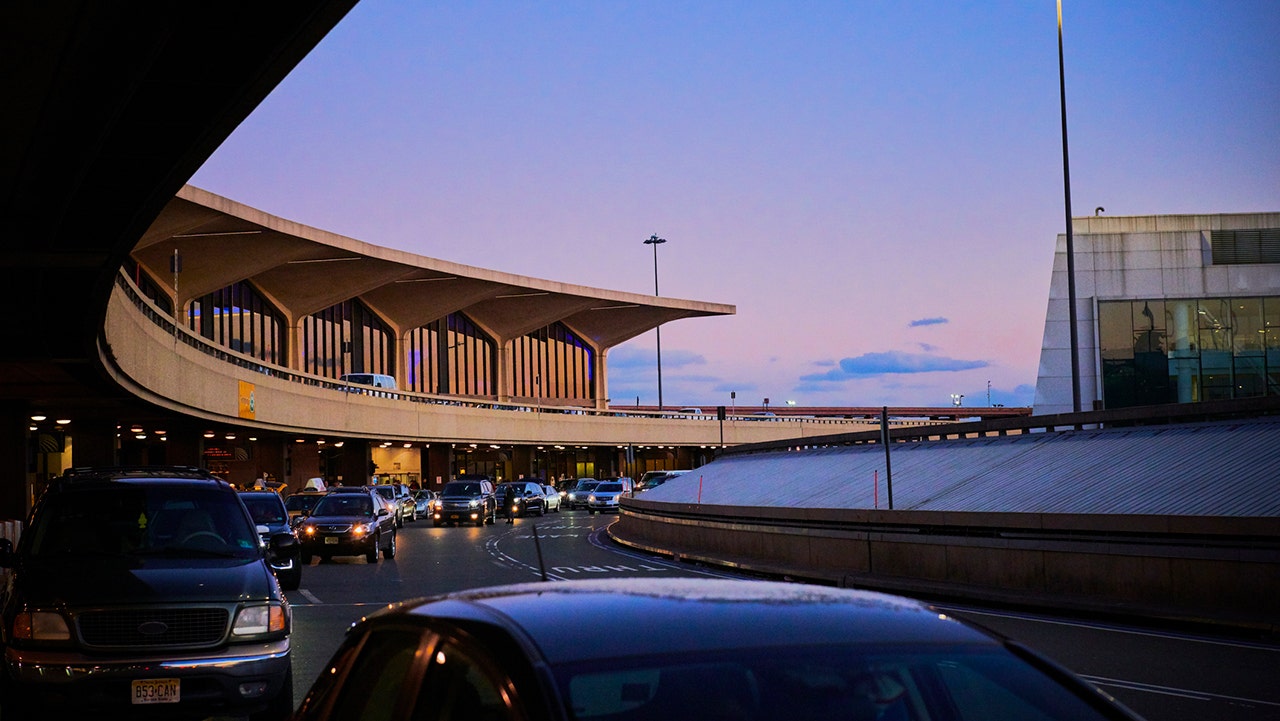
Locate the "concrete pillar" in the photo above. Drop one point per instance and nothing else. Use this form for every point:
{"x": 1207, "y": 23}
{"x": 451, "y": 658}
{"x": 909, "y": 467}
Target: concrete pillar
{"x": 95, "y": 443}
{"x": 437, "y": 463}
{"x": 13, "y": 461}
{"x": 601, "y": 379}
{"x": 354, "y": 463}
{"x": 503, "y": 370}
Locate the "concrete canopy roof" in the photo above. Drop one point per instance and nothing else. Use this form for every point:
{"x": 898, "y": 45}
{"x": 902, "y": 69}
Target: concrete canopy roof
{"x": 303, "y": 270}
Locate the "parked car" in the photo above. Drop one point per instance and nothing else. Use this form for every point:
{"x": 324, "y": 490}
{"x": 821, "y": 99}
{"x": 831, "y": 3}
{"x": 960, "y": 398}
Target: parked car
{"x": 143, "y": 592}
{"x": 653, "y": 479}
{"x": 467, "y": 500}
{"x": 423, "y": 501}
{"x": 300, "y": 504}
{"x": 577, "y": 496}
{"x": 350, "y": 522}
{"x": 762, "y": 650}
{"x": 551, "y": 499}
{"x": 399, "y": 501}
{"x": 526, "y": 496}
{"x": 406, "y": 500}
{"x": 605, "y": 496}
{"x": 268, "y": 512}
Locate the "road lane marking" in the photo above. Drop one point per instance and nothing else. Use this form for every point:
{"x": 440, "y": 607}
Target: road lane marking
{"x": 1170, "y": 691}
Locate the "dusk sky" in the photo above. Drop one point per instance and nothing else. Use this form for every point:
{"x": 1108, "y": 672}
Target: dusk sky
{"x": 877, "y": 186}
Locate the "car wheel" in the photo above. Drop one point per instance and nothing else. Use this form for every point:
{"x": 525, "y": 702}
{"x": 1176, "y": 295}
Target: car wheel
{"x": 281, "y": 707}
{"x": 591, "y": 511}
{"x": 483, "y": 519}
{"x": 306, "y": 559}
{"x": 390, "y": 551}
{"x": 326, "y": 558}
{"x": 437, "y": 524}
{"x": 372, "y": 554}
{"x": 400, "y": 521}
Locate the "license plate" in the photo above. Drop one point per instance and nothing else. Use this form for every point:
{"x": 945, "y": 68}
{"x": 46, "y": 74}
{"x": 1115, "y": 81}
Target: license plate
{"x": 331, "y": 540}
{"x": 157, "y": 690}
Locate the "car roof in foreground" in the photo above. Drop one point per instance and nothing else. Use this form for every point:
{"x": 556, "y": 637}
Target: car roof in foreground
{"x": 725, "y": 614}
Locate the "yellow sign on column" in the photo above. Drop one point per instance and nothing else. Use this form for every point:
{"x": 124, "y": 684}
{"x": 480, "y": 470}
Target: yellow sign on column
{"x": 248, "y": 404}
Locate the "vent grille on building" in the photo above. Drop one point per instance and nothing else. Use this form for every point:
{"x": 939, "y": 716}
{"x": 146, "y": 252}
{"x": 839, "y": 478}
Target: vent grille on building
{"x": 1238, "y": 247}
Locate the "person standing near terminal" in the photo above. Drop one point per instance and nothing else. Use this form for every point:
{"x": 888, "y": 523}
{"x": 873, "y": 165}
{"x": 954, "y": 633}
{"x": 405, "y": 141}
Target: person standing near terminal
{"x": 508, "y": 499}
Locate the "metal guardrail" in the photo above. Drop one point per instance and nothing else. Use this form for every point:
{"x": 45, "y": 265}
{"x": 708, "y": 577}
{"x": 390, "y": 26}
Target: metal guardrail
{"x": 1172, "y": 413}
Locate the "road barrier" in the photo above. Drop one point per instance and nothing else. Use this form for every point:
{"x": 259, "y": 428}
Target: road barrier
{"x": 1214, "y": 570}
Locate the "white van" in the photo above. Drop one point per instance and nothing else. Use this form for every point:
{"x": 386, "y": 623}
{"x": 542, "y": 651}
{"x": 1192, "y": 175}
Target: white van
{"x": 377, "y": 380}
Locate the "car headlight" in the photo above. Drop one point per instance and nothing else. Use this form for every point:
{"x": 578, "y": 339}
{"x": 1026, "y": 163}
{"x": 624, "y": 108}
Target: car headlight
{"x": 309, "y": 530}
{"x": 257, "y": 620}
{"x": 572, "y": 496}
{"x": 475, "y": 502}
{"x": 361, "y": 529}
{"x": 41, "y": 626}
{"x": 591, "y": 498}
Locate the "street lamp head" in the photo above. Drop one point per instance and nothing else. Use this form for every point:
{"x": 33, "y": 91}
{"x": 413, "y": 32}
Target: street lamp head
{"x": 654, "y": 240}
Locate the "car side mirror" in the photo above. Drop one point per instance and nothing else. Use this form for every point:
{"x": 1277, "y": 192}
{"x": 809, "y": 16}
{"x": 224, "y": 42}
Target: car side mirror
{"x": 383, "y": 512}
{"x": 283, "y": 541}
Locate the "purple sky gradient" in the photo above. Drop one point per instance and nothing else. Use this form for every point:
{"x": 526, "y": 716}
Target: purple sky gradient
{"x": 877, "y": 186}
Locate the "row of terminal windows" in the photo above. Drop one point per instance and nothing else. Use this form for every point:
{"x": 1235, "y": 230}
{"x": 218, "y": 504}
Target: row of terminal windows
{"x": 450, "y": 355}
{"x": 1182, "y": 351}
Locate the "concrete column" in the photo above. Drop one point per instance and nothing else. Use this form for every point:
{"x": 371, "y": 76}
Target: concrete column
{"x": 13, "y": 461}
{"x": 94, "y": 443}
{"x": 503, "y": 371}
{"x": 1183, "y": 356}
{"x": 354, "y": 463}
{"x": 437, "y": 462}
{"x": 601, "y": 379}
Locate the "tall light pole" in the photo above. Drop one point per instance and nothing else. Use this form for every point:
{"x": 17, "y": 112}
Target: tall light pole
{"x": 655, "y": 241}
{"x": 1071, "y": 256}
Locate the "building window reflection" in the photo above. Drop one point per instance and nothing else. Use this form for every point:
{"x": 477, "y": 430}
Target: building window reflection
{"x": 451, "y": 355}
{"x": 1157, "y": 351}
{"x": 552, "y": 362}
{"x": 346, "y": 338}
{"x": 239, "y": 318}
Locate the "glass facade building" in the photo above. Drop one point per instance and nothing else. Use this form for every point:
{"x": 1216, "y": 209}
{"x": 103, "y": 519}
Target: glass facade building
{"x": 1162, "y": 350}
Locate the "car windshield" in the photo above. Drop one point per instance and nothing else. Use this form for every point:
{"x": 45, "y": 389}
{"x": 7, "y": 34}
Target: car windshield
{"x": 462, "y": 489}
{"x": 608, "y": 488}
{"x": 265, "y": 509}
{"x": 140, "y": 519}
{"x": 344, "y": 504}
{"x": 386, "y": 492}
{"x": 854, "y": 682}
{"x": 586, "y": 485}
{"x": 302, "y": 502}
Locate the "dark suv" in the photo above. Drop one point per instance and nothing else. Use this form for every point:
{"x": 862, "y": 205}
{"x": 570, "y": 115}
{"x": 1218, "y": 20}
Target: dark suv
{"x": 523, "y": 497}
{"x": 469, "y": 499}
{"x": 141, "y": 592}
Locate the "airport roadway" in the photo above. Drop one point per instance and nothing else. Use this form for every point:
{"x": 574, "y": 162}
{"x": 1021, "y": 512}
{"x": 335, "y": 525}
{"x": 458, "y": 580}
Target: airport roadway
{"x": 1163, "y": 674}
